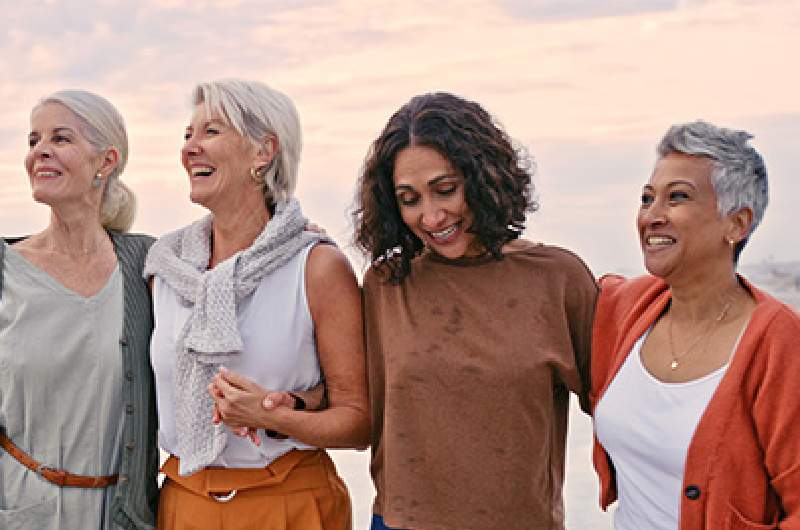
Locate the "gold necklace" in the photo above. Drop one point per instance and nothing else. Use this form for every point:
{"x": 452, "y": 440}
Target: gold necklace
{"x": 707, "y": 333}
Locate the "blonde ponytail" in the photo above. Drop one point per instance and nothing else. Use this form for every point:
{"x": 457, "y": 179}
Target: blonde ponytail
{"x": 119, "y": 206}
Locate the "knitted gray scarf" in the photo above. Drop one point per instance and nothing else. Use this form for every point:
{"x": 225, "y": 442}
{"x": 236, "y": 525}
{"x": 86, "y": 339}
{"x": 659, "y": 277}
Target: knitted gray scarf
{"x": 211, "y": 336}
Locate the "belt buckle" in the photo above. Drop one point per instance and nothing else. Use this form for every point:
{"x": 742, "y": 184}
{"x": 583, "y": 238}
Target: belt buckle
{"x": 224, "y": 498}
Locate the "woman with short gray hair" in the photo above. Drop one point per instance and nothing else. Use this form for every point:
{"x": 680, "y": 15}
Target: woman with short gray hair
{"x": 77, "y": 422}
{"x": 739, "y": 175}
{"x": 694, "y": 369}
{"x": 250, "y": 306}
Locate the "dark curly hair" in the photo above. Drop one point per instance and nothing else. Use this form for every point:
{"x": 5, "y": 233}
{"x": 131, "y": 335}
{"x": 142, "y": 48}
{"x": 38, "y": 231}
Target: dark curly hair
{"x": 497, "y": 179}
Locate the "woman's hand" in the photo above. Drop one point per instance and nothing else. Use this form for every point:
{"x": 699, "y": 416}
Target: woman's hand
{"x": 314, "y": 227}
{"x": 334, "y": 300}
{"x": 239, "y": 402}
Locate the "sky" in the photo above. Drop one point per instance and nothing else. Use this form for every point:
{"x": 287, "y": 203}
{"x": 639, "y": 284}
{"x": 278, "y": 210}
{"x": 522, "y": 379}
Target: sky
{"x": 588, "y": 87}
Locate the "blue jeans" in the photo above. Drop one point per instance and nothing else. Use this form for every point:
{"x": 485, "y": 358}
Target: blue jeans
{"x": 377, "y": 524}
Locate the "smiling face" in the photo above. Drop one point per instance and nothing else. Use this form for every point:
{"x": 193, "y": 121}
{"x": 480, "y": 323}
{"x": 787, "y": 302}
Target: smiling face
{"x": 218, "y": 161}
{"x": 61, "y": 162}
{"x": 680, "y": 230}
{"x": 430, "y": 196}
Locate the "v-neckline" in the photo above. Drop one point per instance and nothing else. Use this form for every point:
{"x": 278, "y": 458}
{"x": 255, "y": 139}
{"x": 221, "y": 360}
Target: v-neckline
{"x": 39, "y": 274}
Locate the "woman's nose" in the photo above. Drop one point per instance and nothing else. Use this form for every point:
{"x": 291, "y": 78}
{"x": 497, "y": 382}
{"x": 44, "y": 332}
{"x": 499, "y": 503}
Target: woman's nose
{"x": 190, "y": 147}
{"x": 654, "y": 214}
{"x": 433, "y": 216}
{"x": 42, "y": 150}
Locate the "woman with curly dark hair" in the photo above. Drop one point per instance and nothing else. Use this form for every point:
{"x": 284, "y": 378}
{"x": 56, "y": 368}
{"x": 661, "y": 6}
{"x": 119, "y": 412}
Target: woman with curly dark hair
{"x": 474, "y": 336}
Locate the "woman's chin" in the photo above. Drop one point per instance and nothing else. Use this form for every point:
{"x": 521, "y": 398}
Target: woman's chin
{"x": 457, "y": 249}
{"x": 46, "y": 196}
{"x": 658, "y": 268}
{"x": 199, "y": 198}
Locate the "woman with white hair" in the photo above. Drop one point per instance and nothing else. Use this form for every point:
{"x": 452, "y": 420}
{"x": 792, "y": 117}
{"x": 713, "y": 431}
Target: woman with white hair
{"x": 694, "y": 369}
{"x": 77, "y": 420}
{"x": 246, "y": 300}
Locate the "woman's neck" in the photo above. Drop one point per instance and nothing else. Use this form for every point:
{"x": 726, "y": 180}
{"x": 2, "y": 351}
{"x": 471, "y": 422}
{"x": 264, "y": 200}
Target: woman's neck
{"x": 234, "y": 230}
{"x": 76, "y": 233}
{"x": 702, "y": 299}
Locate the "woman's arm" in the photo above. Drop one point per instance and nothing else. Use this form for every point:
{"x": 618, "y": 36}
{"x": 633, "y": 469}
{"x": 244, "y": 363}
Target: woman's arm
{"x": 335, "y": 303}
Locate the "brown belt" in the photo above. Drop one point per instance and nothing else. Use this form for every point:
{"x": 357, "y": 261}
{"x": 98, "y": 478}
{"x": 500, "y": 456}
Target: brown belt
{"x": 58, "y": 477}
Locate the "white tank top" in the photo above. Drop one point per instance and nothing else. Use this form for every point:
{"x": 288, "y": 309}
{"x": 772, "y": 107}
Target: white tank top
{"x": 646, "y": 425}
{"x": 279, "y": 354}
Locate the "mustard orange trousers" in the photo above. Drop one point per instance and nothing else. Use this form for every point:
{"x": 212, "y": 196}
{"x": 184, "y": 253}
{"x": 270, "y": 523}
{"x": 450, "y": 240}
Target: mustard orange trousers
{"x": 299, "y": 491}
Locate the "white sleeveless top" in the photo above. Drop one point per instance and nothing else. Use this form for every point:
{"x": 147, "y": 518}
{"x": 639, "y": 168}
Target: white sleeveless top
{"x": 279, "y": 353}
{"x": 646, "y": 425}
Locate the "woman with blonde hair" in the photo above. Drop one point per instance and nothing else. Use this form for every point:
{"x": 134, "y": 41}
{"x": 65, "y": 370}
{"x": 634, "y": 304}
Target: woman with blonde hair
{"x": 248, "y": 304}
{"x": 77, "y": 418}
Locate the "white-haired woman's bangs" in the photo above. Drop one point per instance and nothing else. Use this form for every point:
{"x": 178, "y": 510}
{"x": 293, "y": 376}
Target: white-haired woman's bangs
{"x": 217, "y": 101}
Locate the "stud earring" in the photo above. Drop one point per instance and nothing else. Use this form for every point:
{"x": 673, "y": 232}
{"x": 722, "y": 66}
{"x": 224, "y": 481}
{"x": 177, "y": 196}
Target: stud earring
{"x": 731, "y": 242}
{"x": 97, "y": 181}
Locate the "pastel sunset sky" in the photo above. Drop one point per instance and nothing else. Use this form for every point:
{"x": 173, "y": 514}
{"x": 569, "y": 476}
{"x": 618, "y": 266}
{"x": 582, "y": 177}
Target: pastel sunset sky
{"x": 587, "y": 86}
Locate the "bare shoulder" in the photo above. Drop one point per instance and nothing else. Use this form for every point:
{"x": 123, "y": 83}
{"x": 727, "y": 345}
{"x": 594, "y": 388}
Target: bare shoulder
{"x": 331, "y": 286}
{"x": 324, "y": 260}
{"x": 327, "y": 271}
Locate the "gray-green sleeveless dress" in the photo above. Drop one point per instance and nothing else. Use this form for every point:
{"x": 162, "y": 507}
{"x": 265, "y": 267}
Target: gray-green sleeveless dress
{"x": 60, "y": 396}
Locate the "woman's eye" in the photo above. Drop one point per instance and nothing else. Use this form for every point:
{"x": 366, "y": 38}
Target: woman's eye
{"x": 60, "y": 139}
{"x": 187, "y": 136}
{"x": 647, "y": 200}
{"x": 32, "y": 141}
{"x": 677, "y": 196}
{"x": 407, "y": 200}
{"x": 447, "y": 190}
{"x": 212, "y": 130}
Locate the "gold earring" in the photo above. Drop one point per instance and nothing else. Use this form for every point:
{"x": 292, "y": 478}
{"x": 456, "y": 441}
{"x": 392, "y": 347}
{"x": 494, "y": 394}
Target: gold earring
{"x": 257, "y": 177}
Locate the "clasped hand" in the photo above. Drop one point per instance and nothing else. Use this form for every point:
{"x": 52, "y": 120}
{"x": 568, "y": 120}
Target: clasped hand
{"x": 240, "y": 403}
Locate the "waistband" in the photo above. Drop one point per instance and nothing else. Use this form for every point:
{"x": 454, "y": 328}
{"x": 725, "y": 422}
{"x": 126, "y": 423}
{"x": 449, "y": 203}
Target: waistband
{"x": 295, "y": 471}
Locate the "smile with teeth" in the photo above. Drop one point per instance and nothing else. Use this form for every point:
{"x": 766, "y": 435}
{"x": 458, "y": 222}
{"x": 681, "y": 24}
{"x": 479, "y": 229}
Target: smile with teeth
{"x": 202, "y": 171}
{"x": 446, "y": 233}
{"x": 657, "y": 241}
{"x": 48, "y": 173}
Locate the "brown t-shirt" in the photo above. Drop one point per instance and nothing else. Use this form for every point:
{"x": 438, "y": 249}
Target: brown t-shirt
{"x": 470, "y": 365}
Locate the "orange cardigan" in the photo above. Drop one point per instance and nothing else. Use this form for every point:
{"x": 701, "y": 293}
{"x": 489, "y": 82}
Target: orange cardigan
{"x": 743, "y": 463}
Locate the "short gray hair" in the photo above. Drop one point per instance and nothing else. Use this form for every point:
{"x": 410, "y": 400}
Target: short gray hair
{"x": 739, "y": 175}
{"x": 255, "y": 110}
{"x": 103, "y": 127}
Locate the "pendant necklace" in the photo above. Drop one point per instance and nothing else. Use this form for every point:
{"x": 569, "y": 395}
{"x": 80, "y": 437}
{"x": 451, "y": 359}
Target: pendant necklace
{"x": 707, "y": 333}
